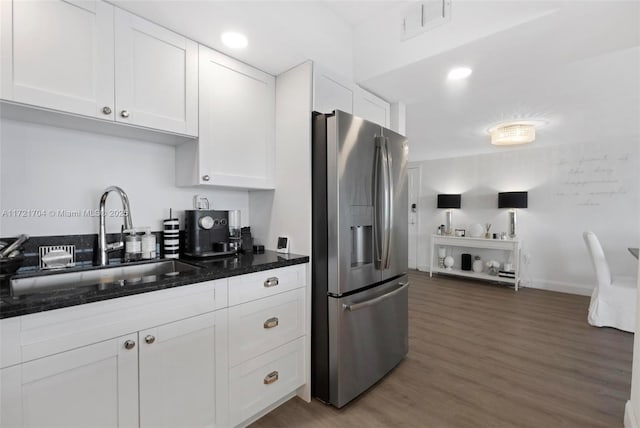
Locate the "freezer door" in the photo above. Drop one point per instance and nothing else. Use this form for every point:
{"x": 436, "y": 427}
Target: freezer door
{"x": 351, "y": 160}
{"x": 398, "y": 253}
{"x": 367, "y": 338}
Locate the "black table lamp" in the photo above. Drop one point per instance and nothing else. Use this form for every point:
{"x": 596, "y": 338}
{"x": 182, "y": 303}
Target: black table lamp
{"x": 448, "y": 202}
{"x": 512, "y": 200}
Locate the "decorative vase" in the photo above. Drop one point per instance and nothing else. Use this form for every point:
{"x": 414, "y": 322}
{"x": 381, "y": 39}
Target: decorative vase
{"x": 477, "y": 265}
{"x": 448, "y": 262}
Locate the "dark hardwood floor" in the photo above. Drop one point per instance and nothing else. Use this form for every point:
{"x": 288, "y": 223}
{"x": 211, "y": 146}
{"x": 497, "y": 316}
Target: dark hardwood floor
{"x": 482, "y": 355}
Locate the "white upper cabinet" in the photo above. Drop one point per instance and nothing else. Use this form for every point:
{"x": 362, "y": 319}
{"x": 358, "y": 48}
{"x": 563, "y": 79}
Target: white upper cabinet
{"x": 236, "y": 146}
{"x": 59, "y": 55}
{"x": 91, "y": 59}
{"x": 331, "y": 92}
{"x": 372, "y": 108}
{"x": 156, "y": 76}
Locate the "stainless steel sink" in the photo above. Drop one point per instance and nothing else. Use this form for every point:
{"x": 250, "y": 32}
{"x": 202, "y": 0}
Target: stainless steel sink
{"x": 119, "y": 275}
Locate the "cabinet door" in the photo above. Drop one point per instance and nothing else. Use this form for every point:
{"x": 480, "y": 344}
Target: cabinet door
{"x": 156, "y": 76}
{"x": 59, "y": 55}
{"x": 237, "y": 123}
{"x": 331, "y": 93}
{"x": 183, "y": 372}
{"x": 92, "y": 386}
{"x": 372, "y": 108}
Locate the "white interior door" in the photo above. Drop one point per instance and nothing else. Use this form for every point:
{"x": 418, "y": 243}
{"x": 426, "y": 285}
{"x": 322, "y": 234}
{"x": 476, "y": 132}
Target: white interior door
{"x": 413, "y": 175}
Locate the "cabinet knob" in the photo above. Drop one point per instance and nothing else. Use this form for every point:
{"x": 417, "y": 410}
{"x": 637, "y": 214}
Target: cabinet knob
{"x": 129, "y": 344}
{"x": 124, "y": 113}
{"x": 106, "y": 110}
{"x": 205, "y": 178}
{"x": 271, "y": 322}
{"x": 271, "y": 377}
{"x": 149, "y": 339}
{"x": 271, "y": 282}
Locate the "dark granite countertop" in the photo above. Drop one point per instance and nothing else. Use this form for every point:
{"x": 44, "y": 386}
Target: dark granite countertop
{"x": 208, "y": 269}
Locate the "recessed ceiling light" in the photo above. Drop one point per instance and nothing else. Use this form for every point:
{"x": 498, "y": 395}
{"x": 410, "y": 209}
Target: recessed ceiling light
{"x": 459, "y": 73}
{"x": 234, "y": 40}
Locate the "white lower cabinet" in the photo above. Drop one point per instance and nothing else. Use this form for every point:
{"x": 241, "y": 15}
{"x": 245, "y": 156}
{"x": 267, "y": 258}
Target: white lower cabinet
{"x": 171, "y": 358}
{"x": 92, "y": 386}
{"x": 264, "y": 324}
{"x": 268, "y": 353}
{"x": 262, "y": 381}
{"x": 183, "y": 371}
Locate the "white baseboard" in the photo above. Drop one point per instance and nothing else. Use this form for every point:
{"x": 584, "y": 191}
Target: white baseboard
{"x": 630, "y": 420}
{"x": 423, "y": 268}
{"x": 561, "y": 287}
{"x": 558, "y": 286}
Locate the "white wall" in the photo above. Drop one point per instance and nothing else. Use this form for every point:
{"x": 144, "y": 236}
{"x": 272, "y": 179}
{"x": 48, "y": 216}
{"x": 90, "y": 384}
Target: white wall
{"x": 632, "y": 408}
{"x": 571, "y": 189}
{"x": 286, "y": 211}
{"x": 49, "y": 168}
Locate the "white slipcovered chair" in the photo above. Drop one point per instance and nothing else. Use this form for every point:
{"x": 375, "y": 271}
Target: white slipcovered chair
{"x": 613, "y": 301}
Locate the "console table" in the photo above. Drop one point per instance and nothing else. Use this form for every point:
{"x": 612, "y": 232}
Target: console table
{"x": 511, "y": 246}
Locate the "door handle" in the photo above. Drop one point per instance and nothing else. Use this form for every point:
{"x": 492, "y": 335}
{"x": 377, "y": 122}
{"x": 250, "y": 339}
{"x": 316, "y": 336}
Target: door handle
{"x": 379, "y": 203}
{"x": 388, "y": 213}
{"x": 375, "y": 300}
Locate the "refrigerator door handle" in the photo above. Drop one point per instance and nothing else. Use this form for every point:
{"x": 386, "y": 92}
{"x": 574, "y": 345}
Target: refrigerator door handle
{"x": 380, "y": 198}
{"x": 375, "y": 300}
{"x": 389, "y": 205}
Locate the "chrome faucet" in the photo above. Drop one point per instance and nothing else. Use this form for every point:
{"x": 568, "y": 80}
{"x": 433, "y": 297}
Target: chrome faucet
{"x": 103, "y": 247}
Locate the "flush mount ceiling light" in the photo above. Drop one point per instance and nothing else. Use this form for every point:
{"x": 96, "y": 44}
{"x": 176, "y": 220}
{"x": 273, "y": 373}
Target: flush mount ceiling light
{"x": 234, "y": 40}
{"x": 509, "y": 134}
{"x": 459, "y": 73}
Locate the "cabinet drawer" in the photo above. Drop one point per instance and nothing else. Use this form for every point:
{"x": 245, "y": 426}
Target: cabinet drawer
{"x": 262, "y": 381}
{"x": 259, "y": 326}
{"x": 44, "y": 333}
{"x": 264, "y": 284}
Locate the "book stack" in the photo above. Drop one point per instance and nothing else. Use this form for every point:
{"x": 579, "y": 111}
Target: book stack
{"x": 507, "y": 274}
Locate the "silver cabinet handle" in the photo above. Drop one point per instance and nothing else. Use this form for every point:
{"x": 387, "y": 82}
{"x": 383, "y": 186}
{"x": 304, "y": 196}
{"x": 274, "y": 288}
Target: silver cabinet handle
{"x": 367, "y": 303}
{"x": 205, "y": 178}
{"x": 271, "y": 377}
{"x": 106, "y": 110}
{"x": 124, "y": 114}
{"x": 271, "y": 282}
{"x": 271, "y": 322}
{"x": 129, "y": 344}
{"x": 149, "y": 339}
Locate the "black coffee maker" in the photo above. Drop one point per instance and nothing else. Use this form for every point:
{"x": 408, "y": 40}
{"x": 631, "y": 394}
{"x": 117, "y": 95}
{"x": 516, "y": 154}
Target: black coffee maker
{"x": 206, "y": 233}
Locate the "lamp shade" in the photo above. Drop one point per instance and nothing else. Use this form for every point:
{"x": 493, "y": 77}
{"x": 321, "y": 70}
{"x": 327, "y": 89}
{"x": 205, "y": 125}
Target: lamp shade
{"x": 513, "y": 200}
{"x": 449, "y": 201}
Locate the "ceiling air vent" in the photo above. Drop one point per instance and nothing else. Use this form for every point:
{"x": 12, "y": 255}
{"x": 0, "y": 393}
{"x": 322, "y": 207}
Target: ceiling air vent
{"x": 424, "y": 16}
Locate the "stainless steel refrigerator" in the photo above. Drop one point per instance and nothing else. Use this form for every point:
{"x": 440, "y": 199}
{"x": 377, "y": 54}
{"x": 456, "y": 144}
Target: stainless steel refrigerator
{"x": 359, "y": 256}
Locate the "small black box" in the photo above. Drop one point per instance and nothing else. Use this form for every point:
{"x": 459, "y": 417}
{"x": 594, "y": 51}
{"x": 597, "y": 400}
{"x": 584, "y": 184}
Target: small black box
{"x": 258, "y": 249}
{"x": 466, "y": 262}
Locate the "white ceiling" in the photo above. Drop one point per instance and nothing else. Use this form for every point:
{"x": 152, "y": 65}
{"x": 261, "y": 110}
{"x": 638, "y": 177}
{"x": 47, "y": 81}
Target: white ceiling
{"x": 575, "y": 64}
{"x": 577, "y": 68}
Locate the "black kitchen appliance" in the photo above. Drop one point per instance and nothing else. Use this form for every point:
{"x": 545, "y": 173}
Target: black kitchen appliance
{"x": 206, "y": 233}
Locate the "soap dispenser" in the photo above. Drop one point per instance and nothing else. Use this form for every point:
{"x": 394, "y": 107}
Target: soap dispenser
{"x": 148, "y": 245}
{"x": 132, "y": 246}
